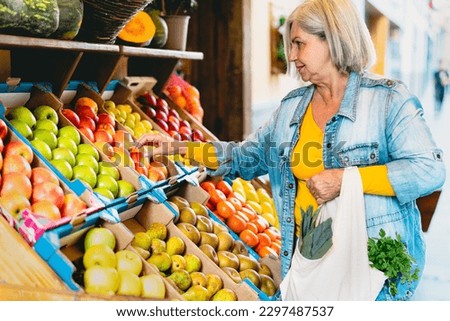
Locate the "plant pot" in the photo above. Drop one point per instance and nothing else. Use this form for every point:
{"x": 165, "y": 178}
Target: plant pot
{"x": 178, "y": 31}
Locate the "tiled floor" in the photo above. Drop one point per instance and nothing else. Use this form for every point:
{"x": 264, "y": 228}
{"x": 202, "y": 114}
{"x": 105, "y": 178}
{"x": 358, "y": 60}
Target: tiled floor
{"x": 435, "y": 284}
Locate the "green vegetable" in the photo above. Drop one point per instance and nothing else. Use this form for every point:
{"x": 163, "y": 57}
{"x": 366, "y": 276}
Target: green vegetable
{"x": 70, "y": 18}
{"x": 391, "y": 257}
{"x": 316, "y": 240}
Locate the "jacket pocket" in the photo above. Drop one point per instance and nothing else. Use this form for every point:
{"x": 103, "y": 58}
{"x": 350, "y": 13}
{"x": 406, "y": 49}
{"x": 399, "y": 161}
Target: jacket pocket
{"x": 359, "y": 155}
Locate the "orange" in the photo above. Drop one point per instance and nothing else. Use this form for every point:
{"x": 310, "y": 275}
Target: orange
{"x": 236, "y": 223}
{"x": 265, "y": 250}
{"x": 224, "y": 187}
{"x": 191, "y": 91}
{"x": 174, "y": 91}
{"x": 216, "y": 196}
{"x": 211, "y": 206}
{"x": 207, "y": 185}
{"x": 239, "y": 197}
{"x": 225, "y": 209}
{"x": 249, "y": 238}
{"x": 236, "y": 203}
{"x": 180, "y": 101}
{"x": 276, "y": 247}
{"x": 261, "y": 223}
{"x": 250, "y": 213}
{"x": 264, "y": 239}
{"x": 272, "y": 233}
{"x": 244, "y": 217}
{"x": 252, "y": 227}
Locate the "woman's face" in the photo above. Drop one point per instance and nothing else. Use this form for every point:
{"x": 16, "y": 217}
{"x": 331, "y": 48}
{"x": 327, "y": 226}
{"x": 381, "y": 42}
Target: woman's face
{"x": 310, "y": 54}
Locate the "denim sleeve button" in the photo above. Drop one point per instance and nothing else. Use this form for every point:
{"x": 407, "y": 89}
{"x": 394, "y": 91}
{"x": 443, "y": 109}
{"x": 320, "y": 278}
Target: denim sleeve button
{"x": 333, "y": 119}
{"x": 389, "y": 83}
{"x": 285, "y": 253}
{"x": 372, "y": 156}
{"x": 289, "y": 220}
{"x": 291, "y": 185}
{"x": 329, "y": 145}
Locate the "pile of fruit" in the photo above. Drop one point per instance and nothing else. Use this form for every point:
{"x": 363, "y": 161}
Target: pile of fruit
{"x": 117, "y": 144}
{"x": 168, "y": 118}
{"x": 247, "y": 212}
{"x": 181, "y": 268}
{"x": 61, "y": 145}
{"x": 216, "y": 242}
{"x": 24, "y": 185}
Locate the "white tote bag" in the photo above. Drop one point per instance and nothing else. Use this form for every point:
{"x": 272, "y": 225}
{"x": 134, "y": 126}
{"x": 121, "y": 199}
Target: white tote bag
{"x": 343, "y": 273}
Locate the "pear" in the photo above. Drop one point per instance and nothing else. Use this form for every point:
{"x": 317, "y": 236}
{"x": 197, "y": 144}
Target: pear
{"x": 214, "y": 283}
{"x": 239, "y": 248}
{"x": 265, "y": 269}
{"x": 145, "y": 254}
{"x": 179, "y": 201}
{"x": 217, "y": 228}
{"x": 199, "y": 278}
{"x": 178, "y": 262}
{"x": 142, "y": 240}
{"x": 196, "y": 293}
{"x": 248, "y": 262}
{"x": 181, "y": 278}
{"x": 252, "y": 275}
{"x": 193, "y": 263}
{"x": 162, "y": 261}
{"x": 158, "y": 246}
{"x": 209, "y": 238}
{"x": 224, "y": 295}
{"x": 204, "y": 224}
{"x": 190, "y": 231}
{"x": 199, "y": 208}
{"x": 210, "y": 252}
{"x": 175, "y": 245}
{"x": 267, "y": 285}
{"x": 228, "y": 259}
{"x": 157, "y": 230}
{"x": 187, "y": 215}
{"x": 233, "y": 274}
{"x": 226, "y": 241}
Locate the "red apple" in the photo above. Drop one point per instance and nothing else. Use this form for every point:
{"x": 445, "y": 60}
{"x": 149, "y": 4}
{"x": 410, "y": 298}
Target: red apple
{"x": 48, "y": 191}
{"x": 142, "y": 170}
{"x": 101, "y": 135}
{"x": 105, "y": 148}
{"x": 149, "y": 111}
{"x": 185, "y": 130}
{"x": 122, "y": 138}
{"x": 185, "y": 123}
{"x": 173, "y": 112}
{"x": 151, "y": 100}
{"x": 16, "y": 164}
{"x": 108, "y": 127}
{"x": 72, "y": 116}
{"x": 2, "y": 146}
{"x": 162, "y": 124}
{"x": 184, "y": 137}
{"x": 14, "y": 203}
{"x": 161, "y": 115}
{"x": 162, "y": 103}
{"x": 16, "y": 183}
{"x": 72, "y": 206}
{"x": 86, "y": 101}
{"x": 155, "y": 174}
{"x": 160, "y": 166}
{"x": 88, "y": 133}
{"x": 41, "y": 175}
{"x": 174, "y": 134}
{"x": 197, "y": 135}
{"x": 3, "y": 129}
{"x": 19, "y": 148}
{"x": 46, "y": 209}
{"x": 86, "y": 122}
{"x": 105, "y": 118}
{"x": 87, "y": 112}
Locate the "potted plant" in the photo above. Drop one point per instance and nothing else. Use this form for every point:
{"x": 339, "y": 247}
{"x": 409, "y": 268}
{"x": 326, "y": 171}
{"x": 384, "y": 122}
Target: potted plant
{"x": 176, "y": 14}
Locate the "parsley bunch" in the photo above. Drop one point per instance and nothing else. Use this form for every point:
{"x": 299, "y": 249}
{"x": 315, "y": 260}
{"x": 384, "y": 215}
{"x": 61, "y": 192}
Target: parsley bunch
{"x": 391, "y": 257}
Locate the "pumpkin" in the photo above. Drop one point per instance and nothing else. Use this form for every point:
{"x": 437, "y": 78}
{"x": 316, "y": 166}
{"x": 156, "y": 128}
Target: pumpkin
{"x": 29, "y": 17}
{"x": 70, "y": 18}
{"x": 162, "y": 31}
{"x": 138, "y": 31}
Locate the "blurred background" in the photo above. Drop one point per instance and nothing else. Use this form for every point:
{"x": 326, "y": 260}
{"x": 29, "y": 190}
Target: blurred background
{"x": 242, "y": 80}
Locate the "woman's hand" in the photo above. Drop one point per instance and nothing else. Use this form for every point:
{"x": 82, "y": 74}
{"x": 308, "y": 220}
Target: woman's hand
{"x": 326, "y": 185}
{"x": 162, "y": 145}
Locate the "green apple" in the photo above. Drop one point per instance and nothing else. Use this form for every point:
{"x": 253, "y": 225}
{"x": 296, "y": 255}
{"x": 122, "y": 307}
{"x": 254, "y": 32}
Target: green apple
{"x": 22, "y": 128}
{"x": 153, "y": 286}
{"x": 71, "y": 132}
{"x": 88, "y": 160}
{"x": 108, "y": 182}
{"x": 46, "y": 112}
{"x": 128, "y": 260}
{"x": 24, "y": 114}
{"x": 85, "y": 174}
{"x": 47, "y": 136}
{"x": 63, "y": 167}
{"x": 64, "y": 153}
{"x": 104, "y": 192}
{"x": 101, "y": 280}
{"x": 42, "y": 148}
{"x": 129, "y": 284}
{"x": 99, "y": 254}
{"x": 68, "y": 143}
{"x": 125, "y": 188}
{"x": 99, "y": 235}
{"x": 108, "y": 169}
{"x": 46, "y": 124}
{"x": 88, "y": 149}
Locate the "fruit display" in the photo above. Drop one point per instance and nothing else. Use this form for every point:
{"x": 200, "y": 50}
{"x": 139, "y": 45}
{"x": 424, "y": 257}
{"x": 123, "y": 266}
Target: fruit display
{"x": 247, "y": 211}
{"x": 100, "y": 128}
{"x": 31, "y": 193}
{"x": 214, "y": 239}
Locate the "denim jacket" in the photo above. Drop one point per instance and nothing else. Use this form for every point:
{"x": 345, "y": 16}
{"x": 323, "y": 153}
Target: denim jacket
{"x": 379, "y": 122}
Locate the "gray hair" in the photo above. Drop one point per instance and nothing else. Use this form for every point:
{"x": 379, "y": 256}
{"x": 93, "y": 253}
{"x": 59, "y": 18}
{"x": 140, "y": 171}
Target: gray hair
{"x": 338, "y": 22}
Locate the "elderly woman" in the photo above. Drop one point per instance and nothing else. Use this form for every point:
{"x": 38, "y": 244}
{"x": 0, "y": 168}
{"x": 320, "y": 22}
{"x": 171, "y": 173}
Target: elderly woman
{"x": 345, "y": 116}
